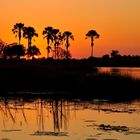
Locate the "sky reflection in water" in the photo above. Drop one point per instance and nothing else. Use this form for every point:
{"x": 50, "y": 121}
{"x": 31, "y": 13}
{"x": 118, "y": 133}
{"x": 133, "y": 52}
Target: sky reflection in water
{"x": 72, "y": 120}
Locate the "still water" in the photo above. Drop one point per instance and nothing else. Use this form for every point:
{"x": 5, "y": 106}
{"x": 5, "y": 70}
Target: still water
{"x": 35, "y": 119}
{"x": 133, "y": 72}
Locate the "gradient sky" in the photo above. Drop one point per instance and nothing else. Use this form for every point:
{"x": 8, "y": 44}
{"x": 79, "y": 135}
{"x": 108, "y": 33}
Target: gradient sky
{"x": 117, "y": 21}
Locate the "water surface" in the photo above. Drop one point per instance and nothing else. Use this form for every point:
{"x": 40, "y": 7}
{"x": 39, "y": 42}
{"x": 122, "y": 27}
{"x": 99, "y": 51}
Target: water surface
{"x": 130, "y": 71}
{"x": 35, "y": 119}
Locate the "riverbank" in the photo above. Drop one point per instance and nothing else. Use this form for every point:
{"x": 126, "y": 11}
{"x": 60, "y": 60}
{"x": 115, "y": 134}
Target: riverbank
{"x": 64, "y": 78}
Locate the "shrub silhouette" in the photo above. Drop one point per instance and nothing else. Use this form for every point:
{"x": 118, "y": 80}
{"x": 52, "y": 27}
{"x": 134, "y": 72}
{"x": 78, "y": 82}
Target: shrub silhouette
{"x": 14, "y": 50}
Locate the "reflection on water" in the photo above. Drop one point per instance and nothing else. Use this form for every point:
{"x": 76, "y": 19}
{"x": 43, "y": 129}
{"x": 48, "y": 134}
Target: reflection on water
{"x": 133, "y": 72}
{"x": 74, "y": 119}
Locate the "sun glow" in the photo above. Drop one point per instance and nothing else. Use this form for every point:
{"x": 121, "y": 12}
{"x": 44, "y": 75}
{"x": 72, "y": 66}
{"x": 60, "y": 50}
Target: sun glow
{"x": 116, "y": 21}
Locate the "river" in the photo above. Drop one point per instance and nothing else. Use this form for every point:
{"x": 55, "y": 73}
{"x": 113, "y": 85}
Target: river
{"x": 35, "y": 119}
{"x": 134, "y": 72}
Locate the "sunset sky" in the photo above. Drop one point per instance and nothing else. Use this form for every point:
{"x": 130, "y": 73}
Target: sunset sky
{"x": 117, "y": 21}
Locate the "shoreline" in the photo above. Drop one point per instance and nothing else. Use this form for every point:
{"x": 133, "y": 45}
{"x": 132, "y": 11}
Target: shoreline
{"x": 74, "y": 79}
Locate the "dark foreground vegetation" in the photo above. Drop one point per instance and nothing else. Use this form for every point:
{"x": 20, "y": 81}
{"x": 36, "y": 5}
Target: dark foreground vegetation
{"x": 63, "y": 78}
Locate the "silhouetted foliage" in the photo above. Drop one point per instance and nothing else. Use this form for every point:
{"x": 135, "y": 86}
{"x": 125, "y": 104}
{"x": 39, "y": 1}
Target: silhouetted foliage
{"x": 29, "y": 33}
{"x": 67, "y": 35}
{"x": 2, "y": 45}
{"x": 55, "y": 36}
{"x": 93, "y": 35}
{"x": 115, "y": 54}
{"x": 48, "y": 35}
{"x": 13, "y": 51}
{"x": 32, "y": 51}
{"x": 106, "y": 56}
{"x": 62, "y": 53}
{"x": 58, "y": 38}
{"x": 17, "y": 30}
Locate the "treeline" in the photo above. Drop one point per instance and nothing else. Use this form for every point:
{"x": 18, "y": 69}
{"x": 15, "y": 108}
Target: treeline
{"x": 115, "y": 59}
{"x": 18, "y": 51}
{"x": 54, "y": 37}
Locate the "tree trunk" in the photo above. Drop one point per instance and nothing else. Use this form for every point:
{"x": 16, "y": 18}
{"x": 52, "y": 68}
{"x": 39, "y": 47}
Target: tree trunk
{"x": 92, "y": 44}
{"x": 67, "y": 46}
{"x": 19, "y": 40}
{"x": 19, "y": 35}
{"x": 91, "y": 51}
{"x": 67, "y": 53}
{"x": 48, "y": 53}
{"x": 55, "y": 51}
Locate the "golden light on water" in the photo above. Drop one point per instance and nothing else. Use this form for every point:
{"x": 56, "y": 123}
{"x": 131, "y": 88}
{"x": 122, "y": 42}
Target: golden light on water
{"x": 61, "y": 119}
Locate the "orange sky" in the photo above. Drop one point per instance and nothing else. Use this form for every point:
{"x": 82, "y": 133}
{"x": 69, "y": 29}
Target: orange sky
{"x": 117, "y": 21}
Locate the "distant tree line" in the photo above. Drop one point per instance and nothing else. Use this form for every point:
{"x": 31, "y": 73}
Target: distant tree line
{"x": 53, "y": 38}
{"x": 116, "y": 59}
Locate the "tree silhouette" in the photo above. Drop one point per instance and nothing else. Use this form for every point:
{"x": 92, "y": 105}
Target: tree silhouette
{"x": 48, "y": 35}
{"x": 29, "y": 33}
{"x": 62, "y": 53}
{"x": 56, "y": 34}
{"x": 14, "y": 50}
{"x": 67, "y": 35}
{"x": 32, "y": 51}
{"x": 115, "y": 54}
{"x": 2, "y": 45}
{"x": 17, "y": 30}
{"x": 93, "y": 35}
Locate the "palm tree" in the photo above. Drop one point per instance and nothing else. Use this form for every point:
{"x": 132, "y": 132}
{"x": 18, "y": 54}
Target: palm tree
{"x": 93, "y": 35}
{"x": 29, "y": 33}
{"x": 17, "y": 30}
{"x": 67, "y": 35}
{"x": 56, "y": 40}
{"x": 48, "y": 35}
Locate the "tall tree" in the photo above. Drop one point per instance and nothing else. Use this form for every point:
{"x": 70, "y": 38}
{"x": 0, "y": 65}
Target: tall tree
{"x": 48, "y": 35}
{"x": 17, "y": 30}
{"x": 93, "y": 35}
{"x": 29, "y": 33}
{"x": 56, "y": 40}
{"x": 67, "y": 35}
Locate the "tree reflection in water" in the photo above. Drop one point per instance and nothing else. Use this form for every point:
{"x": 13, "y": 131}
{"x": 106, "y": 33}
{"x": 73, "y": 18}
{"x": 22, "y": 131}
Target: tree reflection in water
{"x": 57, "y": 110}
{"x": 51, "y": 117}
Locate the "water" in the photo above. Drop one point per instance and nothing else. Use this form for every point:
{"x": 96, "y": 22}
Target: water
{"x": 35, "y": 119}
{"x": 133, "y": 72}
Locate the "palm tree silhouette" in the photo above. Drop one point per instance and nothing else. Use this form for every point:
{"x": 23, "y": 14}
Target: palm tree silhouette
{"x": 56, "y": 40}
{"x": 17, "y": 30}
{"x": 67, "y": 35}
{"x": 48, "y": 35}
{"x": 93, "y": 35}
{"x": 29, "y": 33}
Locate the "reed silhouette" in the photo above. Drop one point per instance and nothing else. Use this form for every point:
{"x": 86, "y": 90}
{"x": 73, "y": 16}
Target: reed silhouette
{"x": 18, "y": 31}
{"x": 57, "y": 110}
{"x": 93, "y": 35}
